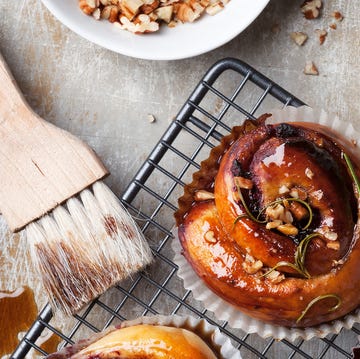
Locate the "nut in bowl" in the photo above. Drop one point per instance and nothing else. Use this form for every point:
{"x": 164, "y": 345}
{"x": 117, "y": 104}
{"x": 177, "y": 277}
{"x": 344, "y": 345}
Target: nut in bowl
{"x": 278, "y": 235}
{"x": 182, "y": 41}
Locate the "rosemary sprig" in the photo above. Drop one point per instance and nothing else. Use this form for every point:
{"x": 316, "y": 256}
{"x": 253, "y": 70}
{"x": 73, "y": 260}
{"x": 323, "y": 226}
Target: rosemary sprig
{"x": 247, "y": 210}
{"x": 300, "y": 254}
{"x": 293, "y": 200}
{"x": 352, "y": 172}
{"x": 282, "y": 264}
{"x": 317, "y": 299}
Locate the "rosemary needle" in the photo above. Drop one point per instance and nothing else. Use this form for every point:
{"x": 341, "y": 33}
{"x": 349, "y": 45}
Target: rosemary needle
{"x": 317, "y": 299}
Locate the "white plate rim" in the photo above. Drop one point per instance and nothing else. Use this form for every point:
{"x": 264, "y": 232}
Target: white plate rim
{"x": 189, "y": 37}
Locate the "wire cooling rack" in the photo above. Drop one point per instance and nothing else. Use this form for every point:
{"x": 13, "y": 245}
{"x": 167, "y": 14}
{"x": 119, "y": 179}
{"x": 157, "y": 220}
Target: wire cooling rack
{"x": 228, "y": 93}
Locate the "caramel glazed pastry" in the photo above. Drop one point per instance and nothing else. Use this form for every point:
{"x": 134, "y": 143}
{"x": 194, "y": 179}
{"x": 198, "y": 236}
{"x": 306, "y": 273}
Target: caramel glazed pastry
{"x": 270, "y": 223}
{"x": 142, "y": 341}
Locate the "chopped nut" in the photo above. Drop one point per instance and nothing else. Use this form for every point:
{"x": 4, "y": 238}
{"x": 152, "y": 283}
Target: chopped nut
{"x": 310, "y": 69}
{"x": 172, "y": 23}
{"x": 151, "y": 118}
{"x": 88, "y": 10}
{"x": 336, "y": 263}
{"x": 143, "y": 24}
{"x": 250, "y": 265}
{"x": 130, "y": 8}
{"x": 331, "y": 236}
{"x": 333, "y": 245}
{"x": 298, "y": 210}
{"x": 283, "y": 189}
{"x": 311, "y": 9}
{"x": 273, "y": 224}
{"x": 288, "y": 229}
{"x": 188, "y": 12}
{"x": 317, "y": 194}
{"x": 96, "y": 14}
{"x": 169, "y": 11}
{"x": 322, "y": 35}
{"x": 210, "y": 237}
{"x": 243, "y": 182}
{"x": 93, "y": 3}
{"x": 203, "y": 195}
{"x": 337, "y": 15}
{"x": 165, "y": 13}
{"x": 110, "y": 13}
{"x": 309, "y": 173}
{"x": 278, "y": 212}
{"x": 215, "y": 8}
{"x": 298, "y": 193}
{"x": 148, "y": 8}
{"x": 333, "y": 26}
{"x": 275, "y": 212}
{"x": 299, "y": 37}
{"x": 275, "y": 277}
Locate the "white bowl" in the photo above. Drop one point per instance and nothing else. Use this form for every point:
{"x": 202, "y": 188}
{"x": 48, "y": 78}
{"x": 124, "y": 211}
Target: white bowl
{"x": 183, "y": 41}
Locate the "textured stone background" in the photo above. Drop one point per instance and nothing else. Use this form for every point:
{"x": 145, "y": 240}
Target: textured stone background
{"x": 105, "y": 98}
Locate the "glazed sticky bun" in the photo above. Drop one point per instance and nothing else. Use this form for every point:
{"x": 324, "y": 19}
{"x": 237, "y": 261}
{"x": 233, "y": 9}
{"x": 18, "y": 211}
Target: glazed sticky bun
{"x": 270, "y": 222}
{"x": 140, "y": 342}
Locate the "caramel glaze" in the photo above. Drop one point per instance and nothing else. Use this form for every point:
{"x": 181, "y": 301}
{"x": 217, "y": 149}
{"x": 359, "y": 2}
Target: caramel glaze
{"x": 273, "y": 161}
{"x": 272, "y": 156}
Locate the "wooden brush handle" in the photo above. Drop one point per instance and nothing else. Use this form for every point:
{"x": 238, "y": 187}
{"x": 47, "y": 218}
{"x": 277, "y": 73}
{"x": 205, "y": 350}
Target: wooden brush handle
{"x": 41, "y": 166}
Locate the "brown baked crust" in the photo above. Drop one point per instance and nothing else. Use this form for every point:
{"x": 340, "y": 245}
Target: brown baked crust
{"x": 297, "y": 156}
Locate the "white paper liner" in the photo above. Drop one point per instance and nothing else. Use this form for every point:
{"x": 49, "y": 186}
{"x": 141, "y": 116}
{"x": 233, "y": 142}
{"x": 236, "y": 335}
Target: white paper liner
{"x": 225, "y": 311}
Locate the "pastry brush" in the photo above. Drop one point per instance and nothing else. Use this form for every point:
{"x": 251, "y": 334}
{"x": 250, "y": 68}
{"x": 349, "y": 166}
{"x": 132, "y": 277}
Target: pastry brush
{"x": 81, "y": 239}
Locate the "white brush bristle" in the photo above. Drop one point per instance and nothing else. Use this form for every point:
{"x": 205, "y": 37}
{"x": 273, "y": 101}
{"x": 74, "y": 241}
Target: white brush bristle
{"x": 82, "y": 250}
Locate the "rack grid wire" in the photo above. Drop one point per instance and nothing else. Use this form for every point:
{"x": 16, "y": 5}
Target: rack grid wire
{"x": 229, "y": 92}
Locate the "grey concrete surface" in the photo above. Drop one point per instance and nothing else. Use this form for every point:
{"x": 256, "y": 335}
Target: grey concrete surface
{"x": 105, "y": 98}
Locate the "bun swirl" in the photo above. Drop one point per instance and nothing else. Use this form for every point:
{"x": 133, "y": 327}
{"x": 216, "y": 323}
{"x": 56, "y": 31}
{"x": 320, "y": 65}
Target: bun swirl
{"x": 270, "y": 223}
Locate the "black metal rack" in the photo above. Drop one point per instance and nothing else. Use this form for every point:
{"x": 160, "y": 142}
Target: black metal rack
{"x": 228, "y": 93}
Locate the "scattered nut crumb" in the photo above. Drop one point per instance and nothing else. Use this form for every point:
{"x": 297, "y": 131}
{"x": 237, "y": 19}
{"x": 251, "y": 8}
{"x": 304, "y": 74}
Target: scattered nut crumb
{"x": 210, "y": 237}
{"x": 321, "y": 34}
{"x": 333, "y": 26}
{"x": 288, "y": 229}
{"x": 310, "y": 69}
{"x": 309, "y": 173}
{"x": 337, "y": 16}
{"x": 283, "y": 189}
{"x": 278, "y": 212}
{"x": 299, "y": 37}
{"x": 203, "y": 195}
{"x": 273, "y": 224}
{"x": 251, "y": 265}
{"x": 317, "y": 194}
{"x": 298, "y": 193}
{"x": 331, "y": 236}
{"x": 275, "y": 277}
{"x": 333, "y": 245}
{"x": 311, "y": 9}
{"x": 151, "y": 118}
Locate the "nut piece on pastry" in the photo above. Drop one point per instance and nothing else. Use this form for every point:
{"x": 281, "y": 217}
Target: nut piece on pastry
{"x": 287, "y": 248}
{"x": 143, "y": 341}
